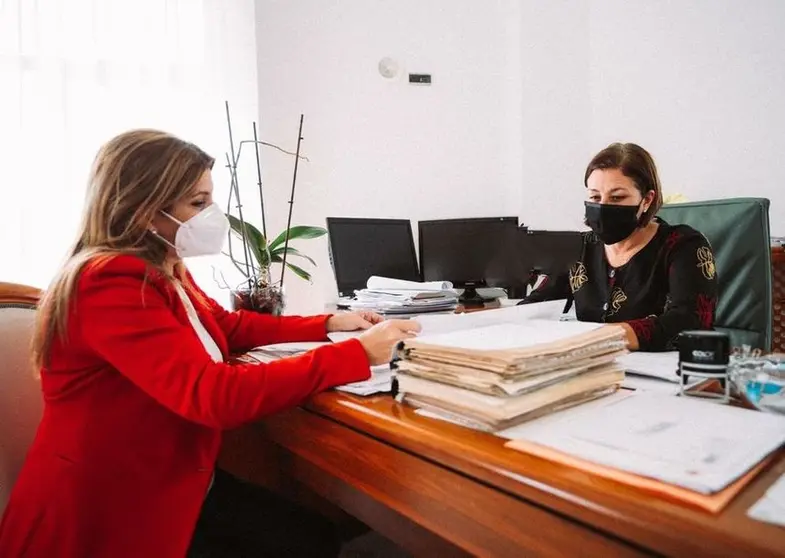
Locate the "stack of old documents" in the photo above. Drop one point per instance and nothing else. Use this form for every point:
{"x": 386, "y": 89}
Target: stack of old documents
{"x": 496, "y": 376}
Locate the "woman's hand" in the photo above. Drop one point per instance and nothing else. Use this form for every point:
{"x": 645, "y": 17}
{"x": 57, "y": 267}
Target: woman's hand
{"x": 629, "y": 334}
{"x": 632, "y": 339}
{"x": 380, "y": 341}
{"x": 353, "y": 321}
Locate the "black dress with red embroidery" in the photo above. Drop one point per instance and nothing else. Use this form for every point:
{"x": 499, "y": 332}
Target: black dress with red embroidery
{"x": 668, "y": 287}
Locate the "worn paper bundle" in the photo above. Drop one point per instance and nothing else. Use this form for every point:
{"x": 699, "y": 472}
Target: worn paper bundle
{"x": 496, "y": 376}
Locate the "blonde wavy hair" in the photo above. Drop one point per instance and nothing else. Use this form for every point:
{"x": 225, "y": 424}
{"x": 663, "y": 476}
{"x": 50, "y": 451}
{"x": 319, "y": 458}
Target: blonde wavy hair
{"x": 135, "y": 175}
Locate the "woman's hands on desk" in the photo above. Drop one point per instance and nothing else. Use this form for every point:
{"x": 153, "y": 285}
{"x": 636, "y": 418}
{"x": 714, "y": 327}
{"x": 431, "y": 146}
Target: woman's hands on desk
{"x": 353, "y": 321}
{"x": 380, "y": 341}
{"x": 380, "y": 337}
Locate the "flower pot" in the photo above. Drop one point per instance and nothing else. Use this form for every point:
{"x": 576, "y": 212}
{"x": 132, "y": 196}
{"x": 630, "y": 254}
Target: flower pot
{"x": 265, "y": 299}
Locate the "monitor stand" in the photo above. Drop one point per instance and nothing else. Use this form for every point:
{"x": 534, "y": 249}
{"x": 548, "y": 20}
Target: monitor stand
{"x": 470, "y": 298}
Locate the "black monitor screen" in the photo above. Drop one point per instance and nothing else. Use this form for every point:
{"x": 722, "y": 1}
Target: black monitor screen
{"x": 360, "y": 248}
{"x": 471, "y": 252}
{"x": 550, "y": 252}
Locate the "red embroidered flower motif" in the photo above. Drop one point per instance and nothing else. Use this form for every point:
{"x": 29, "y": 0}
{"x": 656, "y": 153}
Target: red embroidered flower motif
{"x": 643, "y": 328}
{"x": 672, "y": 239}
{"x": 704, "y": 308}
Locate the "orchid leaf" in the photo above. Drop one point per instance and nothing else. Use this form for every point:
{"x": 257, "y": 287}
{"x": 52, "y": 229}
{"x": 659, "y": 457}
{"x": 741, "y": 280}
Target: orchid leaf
{"x": 254, "y": 239}
{"x": 302, "y": 232}
{"x": 300, "y": 272}
{"x": 276, "y": 256}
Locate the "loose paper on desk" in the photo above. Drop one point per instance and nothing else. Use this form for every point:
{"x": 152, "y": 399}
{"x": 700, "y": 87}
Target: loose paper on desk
{"x": 689, "y": 443}
{"x": 283, "y": 350}
{"x": 771, "y": 507}
{"x": 506, "y": 336}
{"x": 379, "y": 382}
{"x": 445, "y": 323}
{"x": 662, "y": 366}
{"x": 394, "y": 296}
{"x": 653, "y": 385}
{"x": 376, "y": 283}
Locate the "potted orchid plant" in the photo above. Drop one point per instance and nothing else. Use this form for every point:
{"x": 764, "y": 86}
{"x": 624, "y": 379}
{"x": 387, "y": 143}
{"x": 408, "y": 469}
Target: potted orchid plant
{"x": 257, "y": 253}
{"x": 259, "y": 292}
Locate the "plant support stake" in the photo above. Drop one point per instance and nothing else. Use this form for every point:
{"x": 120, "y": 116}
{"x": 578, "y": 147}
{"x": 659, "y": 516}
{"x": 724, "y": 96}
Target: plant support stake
{"x": 250, "y": 270}
{"x": 259, "y": 179}
{"x": 291, "y": 199}
{"x": 232, "y": 164}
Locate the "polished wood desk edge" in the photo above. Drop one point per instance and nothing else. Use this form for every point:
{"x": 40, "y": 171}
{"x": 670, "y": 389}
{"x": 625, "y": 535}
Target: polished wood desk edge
{"x": 474, "y": 516}
{"x": 608, "y": 505}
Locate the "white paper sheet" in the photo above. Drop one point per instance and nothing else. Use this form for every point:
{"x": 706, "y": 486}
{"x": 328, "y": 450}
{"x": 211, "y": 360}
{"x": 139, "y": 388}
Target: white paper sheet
{"x": 445, "y": 323}
{"x": 379, "y": 382}
{"x": 653, "y": 385}
{"x": 509, "y": 335}
{"x": 377, "y": 283}
{"x": 662, "y": 366}
{"x": 270, "y": 353}
{"x": 689, "y": 443}
{"x": 295, "y": 347}
{"x": 434, "y": 324}
{"x": 771, "y": 507}
{"x": 521, "y": 431}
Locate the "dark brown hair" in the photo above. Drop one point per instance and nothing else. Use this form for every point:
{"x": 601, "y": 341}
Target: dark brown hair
{"x": 635, "y": 163}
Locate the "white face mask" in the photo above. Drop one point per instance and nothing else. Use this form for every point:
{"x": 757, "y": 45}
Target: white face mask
{"x": 201, "y": 235}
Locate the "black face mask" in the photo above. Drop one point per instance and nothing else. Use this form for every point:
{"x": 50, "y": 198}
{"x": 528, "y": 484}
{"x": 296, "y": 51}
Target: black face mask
{"x": 612, "y": 223}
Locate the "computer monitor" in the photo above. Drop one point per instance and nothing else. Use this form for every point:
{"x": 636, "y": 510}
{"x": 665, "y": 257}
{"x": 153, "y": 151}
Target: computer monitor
{"x": 549, "y": 252}
{"x": 361, "y": 248}
{"x": 471, "y": 253}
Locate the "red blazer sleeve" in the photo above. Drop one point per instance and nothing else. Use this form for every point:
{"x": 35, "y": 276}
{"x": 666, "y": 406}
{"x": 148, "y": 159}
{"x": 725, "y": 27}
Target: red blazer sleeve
{"x": 127, "y": 322}
{"x": 247, "y": 330}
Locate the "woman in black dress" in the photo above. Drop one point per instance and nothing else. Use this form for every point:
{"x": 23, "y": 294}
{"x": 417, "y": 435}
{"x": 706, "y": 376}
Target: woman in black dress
{"x": 654, "y": 279}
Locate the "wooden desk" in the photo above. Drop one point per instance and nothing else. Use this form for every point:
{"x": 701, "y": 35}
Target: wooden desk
{"x": 441, "y": 490}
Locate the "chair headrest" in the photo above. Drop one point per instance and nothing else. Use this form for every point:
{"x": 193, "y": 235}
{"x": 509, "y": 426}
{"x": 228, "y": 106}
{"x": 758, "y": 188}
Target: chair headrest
{"x": 14, "y": 294}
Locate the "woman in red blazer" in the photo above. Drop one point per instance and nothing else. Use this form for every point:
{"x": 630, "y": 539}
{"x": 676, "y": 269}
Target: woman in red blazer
{"x": 135, "y": 369}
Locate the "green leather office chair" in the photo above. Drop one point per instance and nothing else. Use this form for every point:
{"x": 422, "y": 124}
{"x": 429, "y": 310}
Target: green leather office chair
{"x": 738, "y": 230}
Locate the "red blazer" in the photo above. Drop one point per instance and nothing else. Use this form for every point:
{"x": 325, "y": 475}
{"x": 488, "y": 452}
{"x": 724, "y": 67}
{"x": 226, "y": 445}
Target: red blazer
{"x": 134, "y": 409}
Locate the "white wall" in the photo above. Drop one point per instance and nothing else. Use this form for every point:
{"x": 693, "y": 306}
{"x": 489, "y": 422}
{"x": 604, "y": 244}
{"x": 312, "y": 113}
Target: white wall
{"x": 556, "y": 118}
{"x": 524, "y": 93}
{"x": 380, "y": 148}
{"x": 701, "y": 84}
